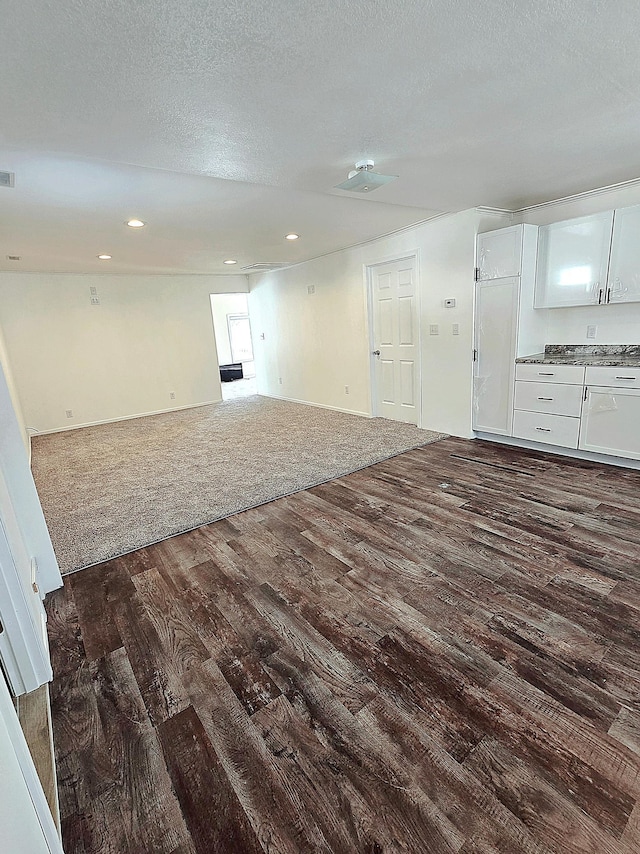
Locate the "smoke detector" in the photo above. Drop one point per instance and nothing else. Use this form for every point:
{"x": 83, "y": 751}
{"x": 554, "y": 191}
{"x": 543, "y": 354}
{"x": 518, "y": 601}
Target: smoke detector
{"x": 363, "y": 179}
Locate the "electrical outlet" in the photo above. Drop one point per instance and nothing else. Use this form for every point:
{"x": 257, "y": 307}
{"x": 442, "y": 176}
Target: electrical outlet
{"x": 346, "y": 389}
{"x": 311, "y": 289}
{"x": 69, "y": 413}
{"x": 455, "y": 329}
{"x": 434, "y": 329}
{"x": 172, "y": 395}
{"x": 95, "y": 301}
{"x": 592, "y": 331}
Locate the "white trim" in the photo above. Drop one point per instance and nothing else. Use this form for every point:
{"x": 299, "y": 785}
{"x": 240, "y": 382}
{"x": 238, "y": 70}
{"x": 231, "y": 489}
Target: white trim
{"x": 319, "y": 405}
{"x": 623, "y": 462}
{"x": 413, "y": 254}
{"x": 596, "y": 191}
{"x": 10, "y": 720}
{"x": 127, "y": 417}
{"x": 106, "y": 274}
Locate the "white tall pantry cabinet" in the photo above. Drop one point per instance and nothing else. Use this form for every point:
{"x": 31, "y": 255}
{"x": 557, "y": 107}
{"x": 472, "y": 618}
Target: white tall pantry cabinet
{"x": 505, "y": 280}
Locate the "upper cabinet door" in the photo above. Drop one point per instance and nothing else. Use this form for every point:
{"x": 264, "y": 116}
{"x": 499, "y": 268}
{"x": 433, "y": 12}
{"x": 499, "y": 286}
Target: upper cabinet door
{"x": 573, "y": 259}
{"x": 499, "y": 253}
{"x": 624, "y": 270}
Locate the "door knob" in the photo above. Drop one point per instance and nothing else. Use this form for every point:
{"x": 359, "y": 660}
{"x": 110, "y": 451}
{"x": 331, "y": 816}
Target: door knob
{"x": 375, "y": 352}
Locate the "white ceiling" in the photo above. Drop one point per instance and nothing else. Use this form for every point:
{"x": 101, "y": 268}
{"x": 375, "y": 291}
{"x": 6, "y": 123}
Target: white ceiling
{"x": 245, "y": 113}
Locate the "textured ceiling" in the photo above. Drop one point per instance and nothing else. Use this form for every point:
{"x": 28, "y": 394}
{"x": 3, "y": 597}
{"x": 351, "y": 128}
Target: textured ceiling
{"x": 470, "y": 103}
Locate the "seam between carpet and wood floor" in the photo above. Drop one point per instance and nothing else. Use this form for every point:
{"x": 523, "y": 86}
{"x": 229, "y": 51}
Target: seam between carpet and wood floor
{"x": 109, "y": 489}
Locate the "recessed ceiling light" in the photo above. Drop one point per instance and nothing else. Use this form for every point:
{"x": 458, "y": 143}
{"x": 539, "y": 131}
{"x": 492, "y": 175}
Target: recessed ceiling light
{"x": 291, "y": 236}
{"x": 104, "y": 257}
{"x": 135, "y": 223}
{"x": 230, "y": 261}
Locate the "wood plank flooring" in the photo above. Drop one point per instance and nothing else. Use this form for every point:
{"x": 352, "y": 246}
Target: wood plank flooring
{"x": 440, "y": 653}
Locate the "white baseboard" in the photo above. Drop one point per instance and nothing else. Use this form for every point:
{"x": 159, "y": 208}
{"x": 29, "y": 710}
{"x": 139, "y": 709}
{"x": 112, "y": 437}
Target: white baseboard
{"x": 623, "y": 462}
{"x": 125, "y": 418}
{"x": 319, "y": 405}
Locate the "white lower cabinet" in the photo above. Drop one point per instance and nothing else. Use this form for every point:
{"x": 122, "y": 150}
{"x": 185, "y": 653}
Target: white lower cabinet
{"x": 610, "y": 422}
{"x": 560, "y": 430}
{"x": 548, "y": 401}
{"x": 594, "y": 409}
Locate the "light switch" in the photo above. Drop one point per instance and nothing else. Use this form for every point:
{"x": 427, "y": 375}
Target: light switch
{"x": 433, "y": 329}
{"x": 455, "y": 329}
{"x": 449, "y": 303}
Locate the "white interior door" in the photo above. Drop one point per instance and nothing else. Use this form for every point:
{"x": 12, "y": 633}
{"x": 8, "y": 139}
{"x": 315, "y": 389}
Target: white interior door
{"x": 396, "y": 374}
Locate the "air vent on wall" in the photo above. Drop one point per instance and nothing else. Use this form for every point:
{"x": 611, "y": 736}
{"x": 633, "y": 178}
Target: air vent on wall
{"x": 264, "y": 266}
{"x": 14, "y": 257}
{"x": 7, "y": 179}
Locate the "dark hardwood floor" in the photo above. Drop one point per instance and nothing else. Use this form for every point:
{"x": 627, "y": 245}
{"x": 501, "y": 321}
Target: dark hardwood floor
{"x": 440, "y": 653}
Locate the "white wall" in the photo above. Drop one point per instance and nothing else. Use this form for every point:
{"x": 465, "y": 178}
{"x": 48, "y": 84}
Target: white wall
{"x": 149, "y": 336}
{"x": 318, "y": 343}
{"x": 221, "y": 306}
{"x": 617, "y": 324}
{"x": 13, "y": 391}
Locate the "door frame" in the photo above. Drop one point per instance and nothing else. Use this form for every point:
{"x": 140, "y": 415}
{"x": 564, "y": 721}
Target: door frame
{"x": 413, "y": 255}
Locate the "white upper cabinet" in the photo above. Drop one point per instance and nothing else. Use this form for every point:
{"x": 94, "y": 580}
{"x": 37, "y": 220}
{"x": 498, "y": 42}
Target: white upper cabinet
{"x": 499, "y": 253}
{"x": 573, "y": 259}
{"x": 623, "y": 284}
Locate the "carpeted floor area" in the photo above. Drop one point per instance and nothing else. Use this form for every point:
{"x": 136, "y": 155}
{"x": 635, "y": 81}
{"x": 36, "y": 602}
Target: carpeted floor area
{"x": 110, "y": 489}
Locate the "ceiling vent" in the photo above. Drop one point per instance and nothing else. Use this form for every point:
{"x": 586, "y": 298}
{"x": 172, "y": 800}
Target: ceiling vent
{"x": 7, "y": 179}
{"x": 265, "y": 266}
{"x": 14, "y": 257}
{"x": 363, "y": 179}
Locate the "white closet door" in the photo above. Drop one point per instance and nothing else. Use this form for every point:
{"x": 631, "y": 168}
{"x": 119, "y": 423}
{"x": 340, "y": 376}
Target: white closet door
{"x": 494, "y": 367}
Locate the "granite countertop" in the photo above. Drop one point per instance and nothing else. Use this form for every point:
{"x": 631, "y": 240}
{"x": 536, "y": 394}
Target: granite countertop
{"x": 600, "y": 355}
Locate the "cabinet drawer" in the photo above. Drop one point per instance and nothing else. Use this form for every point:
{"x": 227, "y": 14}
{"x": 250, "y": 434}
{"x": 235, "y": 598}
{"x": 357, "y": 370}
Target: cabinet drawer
{"x": 558, "y": 430}
{"x": 621, "y": 377}
{"x": 554, "y": 398}
{"x": 572, "y": 374}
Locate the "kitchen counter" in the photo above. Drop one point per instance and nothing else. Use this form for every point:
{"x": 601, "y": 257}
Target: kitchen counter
{"x": 600, "y": 355}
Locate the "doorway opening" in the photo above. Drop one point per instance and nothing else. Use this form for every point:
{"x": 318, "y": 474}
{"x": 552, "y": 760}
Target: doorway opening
{"x": 232, "y": 328}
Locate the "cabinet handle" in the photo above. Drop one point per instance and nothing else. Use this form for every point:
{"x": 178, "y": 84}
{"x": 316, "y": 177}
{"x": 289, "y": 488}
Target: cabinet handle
{"x": 625, "y": 378}
{"x": 600, "y": 297}
{"x": 545, "y": 398}
{"x": 544, "y": 429}
{"x": 608, "y": 294}
{"x": 543, "y": 374}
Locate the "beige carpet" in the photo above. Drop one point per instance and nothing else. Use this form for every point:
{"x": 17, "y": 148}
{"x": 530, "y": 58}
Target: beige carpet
{"x": 110, "y": 489}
